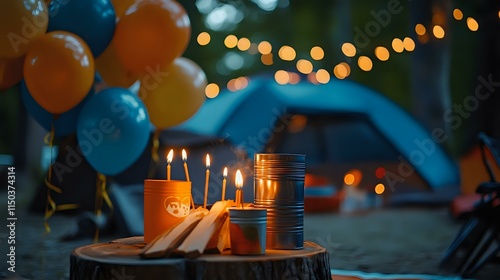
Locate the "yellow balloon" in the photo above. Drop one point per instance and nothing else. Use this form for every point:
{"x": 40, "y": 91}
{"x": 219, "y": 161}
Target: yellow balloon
{"x": 111, "y": 69}
{"x": 175, "y": 94}
{"x": 21, "y": 23}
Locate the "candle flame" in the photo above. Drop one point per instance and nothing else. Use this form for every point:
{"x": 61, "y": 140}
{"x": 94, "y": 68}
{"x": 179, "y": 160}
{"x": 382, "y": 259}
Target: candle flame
{"x": 239, "y": 180}
{"x": 170, "y": 156}
{"x": 208, "y": 161}
{"x": 184, "y": 155}
{"x": 225, "y": 172}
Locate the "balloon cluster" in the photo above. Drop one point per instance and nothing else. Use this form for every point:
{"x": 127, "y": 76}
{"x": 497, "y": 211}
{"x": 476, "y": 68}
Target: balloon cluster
{"x": 58, "y": 50}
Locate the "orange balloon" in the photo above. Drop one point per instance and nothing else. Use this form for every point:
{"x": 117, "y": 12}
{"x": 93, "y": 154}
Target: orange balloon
{"x": 59, "y": 71}
{"x": 11, "y": 71}
{"x": 111, "y": 69}
{"x": 151, "y": 34}
{"x": 21, "y": 23}
{"x": 175, "y": 94}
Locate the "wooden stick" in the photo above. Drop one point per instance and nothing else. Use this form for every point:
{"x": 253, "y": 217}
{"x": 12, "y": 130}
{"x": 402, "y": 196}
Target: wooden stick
{"x": 196, "y": 242}
{"x": 165, "y": 243}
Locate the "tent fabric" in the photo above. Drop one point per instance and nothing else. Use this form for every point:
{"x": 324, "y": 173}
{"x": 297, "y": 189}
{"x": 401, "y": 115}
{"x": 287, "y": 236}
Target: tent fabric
{"x": 251, "y": 113}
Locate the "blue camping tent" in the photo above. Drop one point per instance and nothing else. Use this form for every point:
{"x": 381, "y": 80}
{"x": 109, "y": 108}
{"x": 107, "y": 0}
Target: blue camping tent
{"x": 250, "y": 119}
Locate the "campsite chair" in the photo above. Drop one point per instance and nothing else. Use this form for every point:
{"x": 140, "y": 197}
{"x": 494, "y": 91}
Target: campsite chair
{"x": 477, "y": 241}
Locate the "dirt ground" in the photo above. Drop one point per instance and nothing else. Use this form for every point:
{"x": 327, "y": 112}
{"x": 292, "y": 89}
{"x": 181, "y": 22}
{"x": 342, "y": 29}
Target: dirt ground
{"x": 397, "y": 240}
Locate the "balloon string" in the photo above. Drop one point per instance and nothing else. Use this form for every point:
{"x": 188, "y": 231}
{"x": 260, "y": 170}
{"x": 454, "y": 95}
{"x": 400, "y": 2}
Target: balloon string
{"x": 154, "y": 153}
{"x": 100, "y": 197}
{"x": 51, "y": 207}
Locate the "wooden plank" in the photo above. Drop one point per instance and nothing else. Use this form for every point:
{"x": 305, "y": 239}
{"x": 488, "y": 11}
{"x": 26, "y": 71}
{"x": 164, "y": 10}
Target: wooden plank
{"x": 165, "y": 243}
{"x": 196, "y": 242}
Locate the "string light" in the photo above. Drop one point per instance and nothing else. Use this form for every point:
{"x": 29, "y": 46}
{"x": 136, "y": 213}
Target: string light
{"x": 265, "y": 47}
{"x": 472, "y": 24}
{"x": 365, "y": 63}
{"x": 322, "y": 76}
{"x": 203, "y": 38}
{"x": 341, "y": 70}
{"x": 304, "y": 66}
{"x": 382, "y": 53}
{"x": 231, "y": 41}
{"x": 438, "y": 31}
{"x": 348, "y": 49}
{"x": 212, "y": 90}
{"x": 243, "y": 44}
{"x": 317, "y": 53}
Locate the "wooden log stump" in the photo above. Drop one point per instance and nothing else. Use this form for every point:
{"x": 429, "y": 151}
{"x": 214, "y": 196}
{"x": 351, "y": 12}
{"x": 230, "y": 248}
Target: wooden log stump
{"x": 120, "y": 260}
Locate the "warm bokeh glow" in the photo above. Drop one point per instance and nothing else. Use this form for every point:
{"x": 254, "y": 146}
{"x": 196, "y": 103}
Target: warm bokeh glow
{"x": 423, "y": 39}
{"x": 365, "y": 63}
{"x": 317, "y": 53}
{"x": 348, "y": 179}
{"x": 231, "y": 41}
{"x": 353, "y": 177}
{"x": 267, "y": 59}
{"x": 382, "y": 53}
{"x": 311, "y": 77}
{"x": 348, "y": 49}
{"x": 212, "y": 90}
{"x": 457, "y": 14}
{"x": 397, "y": 45}
{"x": 294, "y": 78}
{"x": 438, "y": 31}
{"x": 409, "y": 44}
{"x": 281, "y": 77}
{"x": 379, "y": 189}
{"x": 265, "y": 47}
{"x": 243, "y": 44}
{"x": 472, "y": 24}
{"x": 304, "y": 66}
{"x": 323, "y": 76}
{"x": 380, "y": 172}
{"x": 297, "y": 123}
{"x": 342, "y": 70}
{"x": 420, "y": 29}
{"x": 237, "y": 84}
{"x": 203, "y": 38}
{"x": 287, "y": 53}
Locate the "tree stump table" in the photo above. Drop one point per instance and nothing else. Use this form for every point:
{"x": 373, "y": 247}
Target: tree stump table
{"x": 120, "y": 260}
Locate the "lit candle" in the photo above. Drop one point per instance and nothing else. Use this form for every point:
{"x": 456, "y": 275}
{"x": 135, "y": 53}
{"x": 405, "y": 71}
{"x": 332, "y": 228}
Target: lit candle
{"x": 184, "y": 158}
{"x": 170, "y": 156}
{"x": 239, "y": 189}
{"x": 207, "y": 176}
{"x": 224, "y": 184}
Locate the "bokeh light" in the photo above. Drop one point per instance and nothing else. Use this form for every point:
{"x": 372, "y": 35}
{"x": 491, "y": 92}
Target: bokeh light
{"x": 203, "y": 38}
{"x": 365, "y": 63}
{"x": 382, "y": 53}
{"x": 348, "y": 49}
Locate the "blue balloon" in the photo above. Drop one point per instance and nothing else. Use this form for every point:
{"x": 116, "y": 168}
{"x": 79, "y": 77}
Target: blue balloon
{"x": 64, "y": 124}
{"x": 113, "y": 130}
{"x": 92, "y": 20}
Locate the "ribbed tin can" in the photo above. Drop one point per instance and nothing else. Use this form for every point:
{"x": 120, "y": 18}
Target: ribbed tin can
{"x": 247, "y": 228}
{"x": 279, "y": 188}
